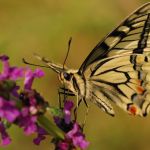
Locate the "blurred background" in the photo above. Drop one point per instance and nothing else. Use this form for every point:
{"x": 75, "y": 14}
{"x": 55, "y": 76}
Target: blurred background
{"x": 44, "y": 27}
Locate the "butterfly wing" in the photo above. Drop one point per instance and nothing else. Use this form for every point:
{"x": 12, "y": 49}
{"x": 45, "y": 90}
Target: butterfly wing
{"x": 131, "y": 36}
{"x": 124, "y": 80}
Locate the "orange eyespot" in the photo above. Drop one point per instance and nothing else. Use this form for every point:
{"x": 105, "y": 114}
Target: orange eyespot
{"x": 132, "y": 109}
{"x": 140, "y": 89}
{"x": 139, "y": 82}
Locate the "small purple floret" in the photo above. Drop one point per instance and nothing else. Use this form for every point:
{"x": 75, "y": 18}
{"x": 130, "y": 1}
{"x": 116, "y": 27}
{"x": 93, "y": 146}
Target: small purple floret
{"x": 30, "y": 75}
{"x": 15, "y": 73}
{"x": 41, "y": 136}
{"x": 27, "y": 121}
{"x": 77, "y": 137}
{"x": 8, "y": 110}
{"x": 12, "y": 73}
{"x": 74, "y": 137}
{"x": 67, "y": 111}
{"x": 4, "y": 136}
{"x": 63, "y": 145}
{"x": 4, "y": 57}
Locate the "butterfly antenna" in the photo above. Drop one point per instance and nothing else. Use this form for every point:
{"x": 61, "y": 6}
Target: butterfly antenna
{"x": 31, "y": 64}
{"x": 69, "y": 44}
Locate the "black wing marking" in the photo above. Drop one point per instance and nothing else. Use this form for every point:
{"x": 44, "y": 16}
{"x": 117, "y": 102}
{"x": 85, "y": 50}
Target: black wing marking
{"x": 131, "y": 36}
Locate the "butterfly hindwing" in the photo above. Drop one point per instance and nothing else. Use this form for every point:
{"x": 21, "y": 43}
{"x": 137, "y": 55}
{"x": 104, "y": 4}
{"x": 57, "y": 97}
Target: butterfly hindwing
{"x": 124, "y": 80}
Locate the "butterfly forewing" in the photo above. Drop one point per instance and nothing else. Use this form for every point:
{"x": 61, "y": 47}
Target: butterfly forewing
{"x": 131, "y": 36}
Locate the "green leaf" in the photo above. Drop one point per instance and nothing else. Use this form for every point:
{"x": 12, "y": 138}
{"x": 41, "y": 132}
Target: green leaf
{"x": 56, "y": 112}
{"x": 50, "y": 127}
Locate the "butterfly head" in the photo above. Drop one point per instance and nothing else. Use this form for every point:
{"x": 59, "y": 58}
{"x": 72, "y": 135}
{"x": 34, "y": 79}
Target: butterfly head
{"x": 67, "y": 78}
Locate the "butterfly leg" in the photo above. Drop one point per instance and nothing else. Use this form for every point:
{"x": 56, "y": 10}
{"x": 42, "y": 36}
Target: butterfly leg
{"x": 66, "y": 92}
{"x": 63, "y": 92}
{"x": 77, "y": 102}
{"x": 76, "y": 108}
{"x": 59, "y": 99}
{"x": 86, "y": 114}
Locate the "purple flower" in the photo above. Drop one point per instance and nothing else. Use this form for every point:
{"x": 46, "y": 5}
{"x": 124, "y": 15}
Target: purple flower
{"x": 21, "y": 109}
{"x": 4, "y": 136}
{"x": 41, "y": 135}
{"x": 32, "y": 103}
{"x": 12, "y": 73}
{"x": 15, "y": 73}
{"x": 74, "y": 137}
{"x": 27, "y": 121}
{"x": 15, "y": 91}
{"x": 67, "y": 111}
{"x": 63, "y": 145}
{"x": 63, "y": 121}
{"x": 8, "y": 110}
{"x": 77, "y": 137}
{"x": 29, "y": 77}
{"x": 66, "y": 117}
{"x": 57, "y": 120}
{"x": 4, "y": 57}
{"x": 25, "y": 107}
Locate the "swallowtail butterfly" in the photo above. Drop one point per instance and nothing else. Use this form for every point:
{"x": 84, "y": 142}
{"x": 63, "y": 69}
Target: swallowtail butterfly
{"x": 117, "y": 69}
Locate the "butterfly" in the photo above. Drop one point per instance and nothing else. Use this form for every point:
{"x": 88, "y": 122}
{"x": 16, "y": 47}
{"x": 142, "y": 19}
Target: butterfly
{"x": 117, "y": 69}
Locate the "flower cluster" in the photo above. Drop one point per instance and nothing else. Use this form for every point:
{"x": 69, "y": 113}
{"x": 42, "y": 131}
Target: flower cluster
{"x": 19, "y": 106}
{"x": 74, "y": 137}
{"x": 25, "y": 107}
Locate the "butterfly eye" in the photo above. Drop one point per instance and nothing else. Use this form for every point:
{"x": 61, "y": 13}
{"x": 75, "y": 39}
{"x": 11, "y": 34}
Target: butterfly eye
{"x": 67, "y": 76}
